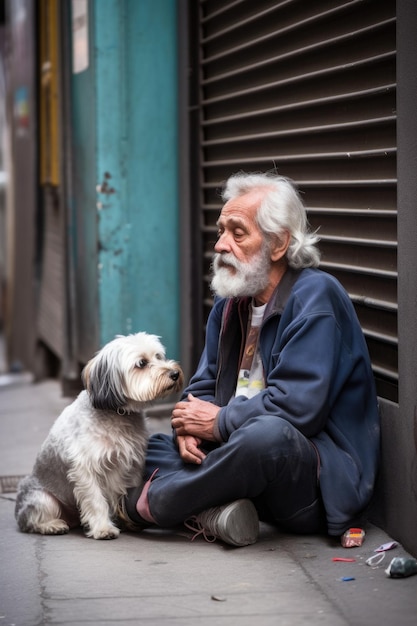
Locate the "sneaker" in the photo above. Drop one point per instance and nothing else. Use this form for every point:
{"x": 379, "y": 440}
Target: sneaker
{"x": 236, "y": 523}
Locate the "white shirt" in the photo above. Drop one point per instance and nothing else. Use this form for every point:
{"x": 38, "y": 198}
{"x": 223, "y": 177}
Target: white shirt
{"x": 251, "y": 375}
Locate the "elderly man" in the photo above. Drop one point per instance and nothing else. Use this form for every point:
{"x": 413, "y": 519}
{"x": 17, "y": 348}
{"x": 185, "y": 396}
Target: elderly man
{"x": 280, "y": 421}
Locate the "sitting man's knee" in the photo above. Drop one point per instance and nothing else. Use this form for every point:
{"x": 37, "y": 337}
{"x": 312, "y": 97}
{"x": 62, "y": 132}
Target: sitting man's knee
{"x": 270, "y": 432}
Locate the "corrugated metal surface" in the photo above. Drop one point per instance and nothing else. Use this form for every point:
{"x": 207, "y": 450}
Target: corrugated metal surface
{"x": 309, "y": 89}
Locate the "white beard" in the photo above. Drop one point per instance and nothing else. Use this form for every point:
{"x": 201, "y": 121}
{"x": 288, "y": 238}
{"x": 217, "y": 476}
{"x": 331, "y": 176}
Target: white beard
{"x": 249, "y": 280}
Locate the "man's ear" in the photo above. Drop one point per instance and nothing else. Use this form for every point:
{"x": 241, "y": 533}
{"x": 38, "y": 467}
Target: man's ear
{"x": 280, "y": 245}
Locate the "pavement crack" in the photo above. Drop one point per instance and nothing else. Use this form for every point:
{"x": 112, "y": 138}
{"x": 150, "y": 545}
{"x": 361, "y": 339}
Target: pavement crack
{"x": 42, "y": 579}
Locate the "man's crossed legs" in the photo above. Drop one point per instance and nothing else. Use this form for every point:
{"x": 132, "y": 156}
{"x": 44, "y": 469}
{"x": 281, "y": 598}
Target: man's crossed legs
{"x": 266, "y": 468}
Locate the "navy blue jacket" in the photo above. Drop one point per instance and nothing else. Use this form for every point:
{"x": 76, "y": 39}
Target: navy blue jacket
{"x": 318, "y": 377}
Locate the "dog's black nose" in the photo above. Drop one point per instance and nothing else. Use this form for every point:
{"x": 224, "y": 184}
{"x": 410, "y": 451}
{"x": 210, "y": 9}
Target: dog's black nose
{"x": 174, "y": 375}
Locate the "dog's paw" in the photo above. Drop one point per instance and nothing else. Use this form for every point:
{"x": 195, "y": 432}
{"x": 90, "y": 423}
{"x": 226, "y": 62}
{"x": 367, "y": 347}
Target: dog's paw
{"x": 108, "y": 532}
{"x": 53, "y": 527}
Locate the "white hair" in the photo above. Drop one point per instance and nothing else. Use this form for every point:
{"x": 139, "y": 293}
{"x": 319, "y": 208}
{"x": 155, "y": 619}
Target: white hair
{"x": 281, "y": 210}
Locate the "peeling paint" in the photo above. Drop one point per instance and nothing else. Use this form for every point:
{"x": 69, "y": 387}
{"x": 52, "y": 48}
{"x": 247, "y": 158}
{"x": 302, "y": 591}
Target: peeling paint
{"x": 104, "y": 187}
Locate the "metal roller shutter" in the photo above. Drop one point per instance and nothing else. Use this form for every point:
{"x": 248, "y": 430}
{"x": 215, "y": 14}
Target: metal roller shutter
{"x": 308, "y": 89}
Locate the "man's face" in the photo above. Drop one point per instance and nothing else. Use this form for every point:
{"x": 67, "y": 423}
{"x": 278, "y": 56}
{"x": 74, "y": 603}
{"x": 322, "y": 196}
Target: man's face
{"x": 242, "y": 261}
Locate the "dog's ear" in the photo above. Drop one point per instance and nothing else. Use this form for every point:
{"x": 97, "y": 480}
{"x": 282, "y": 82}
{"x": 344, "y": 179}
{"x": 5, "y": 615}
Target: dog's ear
{"x": 103, "y": 384}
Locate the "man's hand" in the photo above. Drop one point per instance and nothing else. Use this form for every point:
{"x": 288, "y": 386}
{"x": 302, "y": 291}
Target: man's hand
{"x": 189, "y": 450}
{"x": 195, "y": 417}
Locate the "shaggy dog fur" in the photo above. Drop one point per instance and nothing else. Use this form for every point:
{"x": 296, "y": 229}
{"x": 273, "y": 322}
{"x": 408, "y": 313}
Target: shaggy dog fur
{"x": 96, "y": 448}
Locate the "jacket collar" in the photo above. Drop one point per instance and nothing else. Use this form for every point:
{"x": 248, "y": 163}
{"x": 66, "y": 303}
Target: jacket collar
{"x": 282, "y": 292}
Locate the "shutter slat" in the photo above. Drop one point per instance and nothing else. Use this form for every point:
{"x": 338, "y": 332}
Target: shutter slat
{"x": 375, "y": 304}
{"x": 327, "y": 128}
{"x": 349, "y": 212}
{"x": 303, "y": 157}
{"x": 321, "y": 183}
{"x": 357, "y": 241}
{"x": 346, "y": 267}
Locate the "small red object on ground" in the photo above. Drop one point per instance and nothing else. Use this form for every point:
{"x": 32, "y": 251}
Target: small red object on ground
{"x": 353, "y": 538}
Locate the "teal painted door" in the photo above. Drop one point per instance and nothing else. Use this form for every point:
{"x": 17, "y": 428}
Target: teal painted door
{"x": 133, "y": 54}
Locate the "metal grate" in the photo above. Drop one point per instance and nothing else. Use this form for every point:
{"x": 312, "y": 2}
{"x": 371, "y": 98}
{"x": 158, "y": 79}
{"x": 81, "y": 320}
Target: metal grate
{"x": 8, "y": 484}
{"x": 309, "y": 89}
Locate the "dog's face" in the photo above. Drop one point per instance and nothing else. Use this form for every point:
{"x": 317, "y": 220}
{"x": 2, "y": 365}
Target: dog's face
{"x": 131, "y": 371}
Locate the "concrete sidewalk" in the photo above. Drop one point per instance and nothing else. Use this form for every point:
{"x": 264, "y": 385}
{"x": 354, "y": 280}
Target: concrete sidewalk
{"x": 161, "y": 577}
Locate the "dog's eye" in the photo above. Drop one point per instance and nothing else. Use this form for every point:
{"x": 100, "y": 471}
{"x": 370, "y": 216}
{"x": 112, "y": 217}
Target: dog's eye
{"x": 141, "y": 363}
{"x": 159, "y": 356}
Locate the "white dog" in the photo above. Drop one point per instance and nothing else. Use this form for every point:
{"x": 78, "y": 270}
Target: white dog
{"x": 96, "y": 448}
